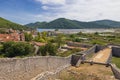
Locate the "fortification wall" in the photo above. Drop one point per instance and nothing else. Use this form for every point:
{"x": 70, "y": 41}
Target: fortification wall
{"x": 116, "y": 51}
{"x": 27, "y": 68}
{"x": 78, "y": 57}
{"x": 116, "y": 71}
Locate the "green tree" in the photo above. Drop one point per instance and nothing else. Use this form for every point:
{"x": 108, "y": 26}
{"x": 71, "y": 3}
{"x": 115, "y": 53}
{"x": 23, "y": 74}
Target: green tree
{"x": 77, "y": 40}
{"x": 43, "y": 51}
{"x": 28, "y": 36}
{"x": 41, "y": 37}
{"x": 96, "y": 33}
{"x": 48, "y": 49}
{"x": 44, "y": 36}
{"x": 56, "y": 29}
{"x": 80, "y": 33}
{"x": 60, "y": 40}
{"x": 12, "y": 49}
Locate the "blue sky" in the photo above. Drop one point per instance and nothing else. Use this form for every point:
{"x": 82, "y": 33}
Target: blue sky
{"x": 27, "y": 11}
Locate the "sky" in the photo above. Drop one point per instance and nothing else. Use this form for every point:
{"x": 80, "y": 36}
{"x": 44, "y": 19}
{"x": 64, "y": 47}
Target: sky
{"x": 27, "y": 11}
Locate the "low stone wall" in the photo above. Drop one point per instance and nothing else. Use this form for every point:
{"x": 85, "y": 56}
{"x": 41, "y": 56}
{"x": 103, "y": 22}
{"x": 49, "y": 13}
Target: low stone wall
{"x": 116, "y": 51}
{"x": 109, "y": 60}
{"x": 48, "y": 75}
{"x": 80, "y": 56}
{"x": 75, "y": 59}
{"x": 116, "y": 71}
{"x": 76, "y": 44}
{"x": 27, "y": 68}
{"x": 98, "y": 48}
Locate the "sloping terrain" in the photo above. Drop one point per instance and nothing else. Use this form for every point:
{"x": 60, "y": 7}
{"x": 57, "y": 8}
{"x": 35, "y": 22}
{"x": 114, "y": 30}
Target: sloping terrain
{"x": 108, "y": 23}
{"x": 62, "y": 23}
{"x": 8, "y": 24}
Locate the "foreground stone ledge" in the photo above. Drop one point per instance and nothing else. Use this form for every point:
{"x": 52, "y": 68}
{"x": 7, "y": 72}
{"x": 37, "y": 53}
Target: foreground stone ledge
{"x": 29, "y": 67}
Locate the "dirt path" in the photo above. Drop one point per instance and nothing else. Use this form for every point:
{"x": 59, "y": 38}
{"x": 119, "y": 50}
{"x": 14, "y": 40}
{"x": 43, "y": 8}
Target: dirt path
{"x": 102, "y": 55}
{"x": 87, "y": 72}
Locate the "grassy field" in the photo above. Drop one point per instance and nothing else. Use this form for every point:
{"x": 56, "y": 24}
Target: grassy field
{"x": 116, "y": 61}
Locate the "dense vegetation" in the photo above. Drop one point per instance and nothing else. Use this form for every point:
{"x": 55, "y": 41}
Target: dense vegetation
{"x": 8, "y": 24}
{"x": 48, "y": 49}
{"x": 96, "y": 38}
{"x": 108, "y": 23}
{"x": 55, "y": 42}
{"x": 28, "y": 37}
{"x": 13, "y": 49}
{"x": 63, "y": 23}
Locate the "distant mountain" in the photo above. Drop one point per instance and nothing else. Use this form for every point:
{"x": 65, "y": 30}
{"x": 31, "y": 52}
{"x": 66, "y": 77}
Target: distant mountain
{"x": 8, "y": 24}
{"x": 108, "y": 23}
{"x": 63, "y": 23}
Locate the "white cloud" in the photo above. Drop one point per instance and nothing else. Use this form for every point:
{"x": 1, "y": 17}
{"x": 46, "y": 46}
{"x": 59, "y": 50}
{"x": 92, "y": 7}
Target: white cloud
{"x": 45, "y": 7}
{"x": 85, "y": 10}
{"x": 55, "y": 2}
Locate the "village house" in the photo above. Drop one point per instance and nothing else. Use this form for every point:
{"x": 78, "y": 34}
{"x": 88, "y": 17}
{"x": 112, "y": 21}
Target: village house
{"x": 12, "y": 36}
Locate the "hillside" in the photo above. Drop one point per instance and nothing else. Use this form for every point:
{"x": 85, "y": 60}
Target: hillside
{"x": 108, "y": 23}
{"x": 63, "y": 23}
{"x": 8, "y": 24}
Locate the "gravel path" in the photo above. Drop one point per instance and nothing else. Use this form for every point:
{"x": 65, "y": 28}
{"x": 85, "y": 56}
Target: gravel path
{"x": 102, "y": 55}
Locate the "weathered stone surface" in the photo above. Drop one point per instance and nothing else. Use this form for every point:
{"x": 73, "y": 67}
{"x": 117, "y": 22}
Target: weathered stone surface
{"x": 27, "y": 68}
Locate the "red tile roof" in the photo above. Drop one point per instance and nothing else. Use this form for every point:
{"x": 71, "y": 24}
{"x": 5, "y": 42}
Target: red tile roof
{"x": 9, "y": 37}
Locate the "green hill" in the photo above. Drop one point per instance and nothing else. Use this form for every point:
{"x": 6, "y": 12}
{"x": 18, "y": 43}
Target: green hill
{"x": 63, "y": 23}
{"x": 108, "y": 23}
{"x": 8, "y": 24}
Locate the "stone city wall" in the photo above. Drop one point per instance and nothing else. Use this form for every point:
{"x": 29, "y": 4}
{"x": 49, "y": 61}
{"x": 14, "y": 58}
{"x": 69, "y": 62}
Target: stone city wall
{"x": 27, "y": 68}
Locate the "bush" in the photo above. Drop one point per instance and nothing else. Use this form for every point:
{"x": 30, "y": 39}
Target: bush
{"x": 77, "y": 40}
{"x": 48, "y": 49}
{"x": 28, "y": 37}
{"x": 12, "y": 49}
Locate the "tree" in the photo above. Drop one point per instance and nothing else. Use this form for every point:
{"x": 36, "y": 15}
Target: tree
{"x": 12, "y": 49}
{"x": 80, "y": 33}
{"x": 72, "y": 36}
{"x": 43, "y": 51}
{"x": 59, "y": 40}
{"x": 41, "y": 37}
{"x": 96, "y": 33}
{"x": 28, "y": 37}
{"x": 44, "y": 35}
{"x": 56, "y": 29}
{"x": 48, "y": 49}
{"x": 77, "y": 40}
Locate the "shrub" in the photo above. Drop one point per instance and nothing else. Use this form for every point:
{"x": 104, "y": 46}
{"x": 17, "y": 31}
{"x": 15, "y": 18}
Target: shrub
{"x": 12, "y": 49}
{"x": 48, "y": 49}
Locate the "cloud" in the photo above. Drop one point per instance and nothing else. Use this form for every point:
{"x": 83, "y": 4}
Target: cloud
{"x": 85, "y": 10}
{"x": 45, "y": 7}
{"x": 52, "y": 2}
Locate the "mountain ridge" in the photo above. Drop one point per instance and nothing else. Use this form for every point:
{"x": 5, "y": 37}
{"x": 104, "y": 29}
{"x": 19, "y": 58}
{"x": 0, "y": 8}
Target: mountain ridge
{"x": 63, "y": 23}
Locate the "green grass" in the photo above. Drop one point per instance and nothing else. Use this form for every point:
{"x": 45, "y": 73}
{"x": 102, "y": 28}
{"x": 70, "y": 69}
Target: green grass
{"x": 116, "y": 61}
{"x": 69, "y": 52}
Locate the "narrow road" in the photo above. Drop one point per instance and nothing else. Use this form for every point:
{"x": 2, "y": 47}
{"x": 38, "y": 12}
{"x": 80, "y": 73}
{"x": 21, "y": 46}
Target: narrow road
{"x": 102, "y": 56}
